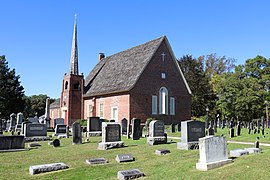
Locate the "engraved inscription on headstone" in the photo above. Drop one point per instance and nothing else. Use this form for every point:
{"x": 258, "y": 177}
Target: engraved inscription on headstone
{"x": 129, "y": 174}
{"x": 95, "y": 161}
{"x": 124, "y": 158}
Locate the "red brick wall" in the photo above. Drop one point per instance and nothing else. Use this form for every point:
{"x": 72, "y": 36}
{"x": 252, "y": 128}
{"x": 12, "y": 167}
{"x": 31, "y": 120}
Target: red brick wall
{"x": 150, "y": 83}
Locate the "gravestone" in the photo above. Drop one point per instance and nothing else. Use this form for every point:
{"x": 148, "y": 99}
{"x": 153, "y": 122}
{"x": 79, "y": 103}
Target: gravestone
{"x": 19, "y": 118}
{"x": 129, "y": 174}
{"x": 156, "y": 133}
{"x": 136, "y": 129}
{"x": 231, "y": 132}
{"x": 23, "y": 127}
{"x": 58, "y": 121}
{"x": 4, "y": 124}
{"x": 95, "y": 161}
{"x": 238, "y": 128}
{"x": 173, "y": 128}
{"x": 76, "y": 133}
{"x": 253, "y": 150}
{"x": 11, "y": 143}
{"x": 31, "y": 130}
{"x": 210, "y": 131}
{"x": 213, "y": 153}
{"x": 162, "y": 151}
{"x": 33, "y": 120}
{"x": 124, "y": 158}
{"x": 111, "y": 136}
{"x": 60, "y": 129}
{"x": 93, "y": 126}
{"x": 46, "y": 168}
{"x": 238, "y": 152}
{"x": 12, "y": 121}
{"x": 56, "y": 143}
{"x": 124, "y": 124}
{"x": 190, "y": 134}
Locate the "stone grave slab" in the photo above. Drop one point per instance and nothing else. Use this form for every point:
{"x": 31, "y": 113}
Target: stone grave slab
{"x": 129, "y": 174}
{"x": 47, "y": 168}
{"x": 162, "y": 151}
{"x": 213, "y": 153}
{"x": 253, "y": 150}
{"x": 238, "y": 152}
{"x": 32, "y": 130}
{"x": 124, "y": 158}
{"x": 95, "y": 161}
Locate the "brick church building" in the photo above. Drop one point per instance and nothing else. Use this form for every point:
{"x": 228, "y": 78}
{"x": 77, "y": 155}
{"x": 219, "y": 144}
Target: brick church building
{"x": 141, "y": 82}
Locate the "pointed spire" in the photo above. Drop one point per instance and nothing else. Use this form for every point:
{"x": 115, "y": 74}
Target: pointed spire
{"x": 74, "y": 51}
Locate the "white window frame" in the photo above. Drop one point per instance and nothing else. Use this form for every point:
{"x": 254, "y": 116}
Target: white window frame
{"x": 101, "y": 105}
{"x": 163, "y": 75}
{"x": 172, "y": 106}
{"x": 112, "y": 113}
{"x": 163, "y": 101}
{"x": 154, "y": 104}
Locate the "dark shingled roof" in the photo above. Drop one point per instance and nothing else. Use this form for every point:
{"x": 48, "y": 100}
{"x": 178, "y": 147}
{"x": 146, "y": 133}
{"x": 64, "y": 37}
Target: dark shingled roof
{"x": 120, "y": 72}
{"x": 55, "y": 104}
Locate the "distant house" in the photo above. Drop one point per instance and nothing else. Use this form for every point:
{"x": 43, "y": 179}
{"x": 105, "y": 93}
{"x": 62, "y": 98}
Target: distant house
{"x": 141, "y": 82}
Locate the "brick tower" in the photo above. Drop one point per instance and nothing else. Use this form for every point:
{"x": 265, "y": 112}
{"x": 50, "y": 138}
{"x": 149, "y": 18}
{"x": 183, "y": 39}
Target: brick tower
{"x": 71, "y": 102}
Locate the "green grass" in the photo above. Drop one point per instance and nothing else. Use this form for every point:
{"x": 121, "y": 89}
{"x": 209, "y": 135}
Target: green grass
{"x": 179, "y": 164}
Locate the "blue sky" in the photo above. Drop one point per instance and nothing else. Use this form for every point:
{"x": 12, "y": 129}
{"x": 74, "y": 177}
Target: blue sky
{"x": 36, "y": 35}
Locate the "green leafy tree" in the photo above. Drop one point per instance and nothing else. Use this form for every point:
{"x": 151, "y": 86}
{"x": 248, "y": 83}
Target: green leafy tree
{"x": 11, "y": 91}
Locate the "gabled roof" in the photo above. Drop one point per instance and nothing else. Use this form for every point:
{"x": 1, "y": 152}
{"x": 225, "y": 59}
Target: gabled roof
{"x": 55, "y": 104}
{"x": 120, "y": 72}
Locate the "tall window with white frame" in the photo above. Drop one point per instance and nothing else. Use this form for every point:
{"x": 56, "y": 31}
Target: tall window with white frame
{"x": 172, "y": 106}
{"x": 163, "y": 101}
{"x": 101, "y": 110}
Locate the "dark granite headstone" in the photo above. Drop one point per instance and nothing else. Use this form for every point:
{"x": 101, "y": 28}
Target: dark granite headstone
{"x": 76, "y": 133}
{"x": 238, "y": 129}
{"x": 136, "y": 129}
{"x": 60, "y": 129}
{"x": 93, "y": 124}
{"x": 31, "y": 130}
{"x": 124, "y": 158}
{"x": 95, "y": 161}
{"x": 130, "y": 174}
{"x": 173, "y": 128}
{"x": 124, "y": 124}
{"x": 58, "y": 121}
{"x": 231, "y": 132}
{"x": 11, "y": 142}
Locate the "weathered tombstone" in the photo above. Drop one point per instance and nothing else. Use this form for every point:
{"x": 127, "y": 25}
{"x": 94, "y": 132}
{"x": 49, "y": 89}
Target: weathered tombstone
{"x": 111, "y": 136}
{"x": 4, "y": 125}
{"x": 124, "y": 158}
{"x": 33, "y": 120}
{"x": 253, "y": 150}
{"x": 156, "y": 133}
{"x": 58, "y": 121}
{"x": 213, "y": 153}
{"x": 136, "y": 129}
{"x": 56, "y": 143}
{"x": 129, "y": 174}
{"x": 124, "y": 126}
{"x": 93, "y": 126}
{"x": 191, "y": 132}
{"x": 60, "y": 129}
{"x": 46, "y": 168}
{"x": 95, "y": 161}
{"x": 238, "y": 152}
{"x": 11, "y": 143}
{"x": 238, "y": 128}
{"x": 12, "y": 121}
{"x": 173, "y": 128}
{"x": 76, "y": 133}
{"x": 231, "y": 132}
{"x": 31, "y": 130}
{"x": 19, "y": 118}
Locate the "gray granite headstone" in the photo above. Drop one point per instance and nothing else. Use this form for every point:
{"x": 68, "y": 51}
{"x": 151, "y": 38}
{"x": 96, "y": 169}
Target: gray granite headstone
{"x": 129, "y": 174}
{"x": 95, "y": 161}
{"x": 156, "y": 133}
{"x": 33, "y": 119}
{"x": 76, "y": 133}
{"x": 124, "y": 158}
{"x": 60, "y": 129}
{"x": 238, "y": 152}
{"x": 31, "y": 130}
{"x": 58, "y": 121}
{"x": 19, "y": 118}
{"x": 111, "y": 136}
{"x": 191, "y": 131}
{"x": 46, "y": 168}
{"x": 136, "y": 129}
{"x": 173, "y": 128}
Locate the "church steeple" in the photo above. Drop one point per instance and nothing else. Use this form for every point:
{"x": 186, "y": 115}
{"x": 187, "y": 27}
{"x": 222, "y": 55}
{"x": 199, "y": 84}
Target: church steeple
{"x": 74, "y": 51}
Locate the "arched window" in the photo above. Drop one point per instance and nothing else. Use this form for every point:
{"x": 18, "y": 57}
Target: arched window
{"x": 163, "y": 101}
{"x": 66, "y": 85}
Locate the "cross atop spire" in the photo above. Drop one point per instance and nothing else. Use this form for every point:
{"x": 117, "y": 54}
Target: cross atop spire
{"x": 74, "y": 51}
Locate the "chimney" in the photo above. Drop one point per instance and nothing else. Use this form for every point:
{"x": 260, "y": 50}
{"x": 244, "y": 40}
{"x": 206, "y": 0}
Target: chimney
{"x": 101, "y": 56}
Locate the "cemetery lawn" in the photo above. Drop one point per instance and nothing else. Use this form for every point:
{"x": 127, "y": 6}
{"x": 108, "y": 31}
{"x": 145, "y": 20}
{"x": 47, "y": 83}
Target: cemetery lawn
{"x": 179, "y": 164}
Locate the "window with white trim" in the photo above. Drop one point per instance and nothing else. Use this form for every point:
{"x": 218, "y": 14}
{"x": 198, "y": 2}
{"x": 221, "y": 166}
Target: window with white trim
{"x": 172, "y": 106}
{"x": 101, "y": 110}
{"x": 154, "y": 104}
{"x": 163, "y": 75}
{"x": 163, "y": 101}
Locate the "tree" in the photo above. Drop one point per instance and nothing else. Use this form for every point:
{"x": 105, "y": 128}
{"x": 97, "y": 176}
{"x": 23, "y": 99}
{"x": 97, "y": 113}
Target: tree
{"x": 11, "y": 91}
{"x": 202, "y": 95}
{"x": 35, "y": 104}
